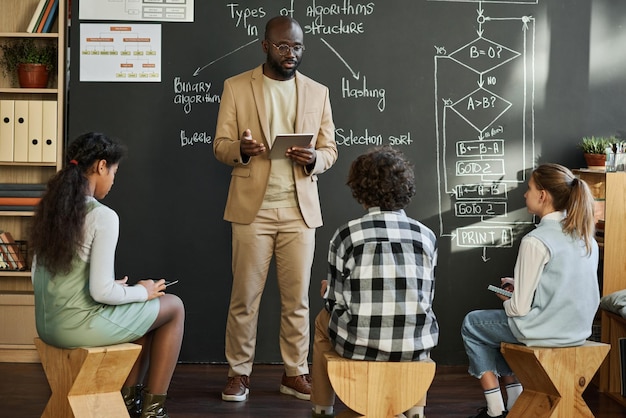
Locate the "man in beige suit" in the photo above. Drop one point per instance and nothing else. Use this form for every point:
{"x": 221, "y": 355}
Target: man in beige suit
{"x": 273, "y": 205}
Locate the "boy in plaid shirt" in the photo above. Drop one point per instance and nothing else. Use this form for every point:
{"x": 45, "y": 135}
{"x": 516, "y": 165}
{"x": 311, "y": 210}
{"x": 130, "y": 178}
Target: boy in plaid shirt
{"x": 380, "y": 286}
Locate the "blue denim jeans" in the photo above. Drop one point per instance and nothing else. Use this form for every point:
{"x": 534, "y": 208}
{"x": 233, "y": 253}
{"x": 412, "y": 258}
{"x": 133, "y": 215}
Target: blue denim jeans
{"x": 482, "y": 333}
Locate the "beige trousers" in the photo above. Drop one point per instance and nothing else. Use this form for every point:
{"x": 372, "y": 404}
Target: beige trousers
{"x": 281, "y": 233}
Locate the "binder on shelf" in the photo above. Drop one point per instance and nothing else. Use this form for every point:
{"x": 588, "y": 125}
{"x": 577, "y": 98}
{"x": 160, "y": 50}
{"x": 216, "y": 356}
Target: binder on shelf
{"x": 7, "y": 112}
{"x": 35, "y": 119}
{"x": 20, "y": 144}
{"x": 51, "y": 16}
{"x": 49, "y": 132}
{"x": 34, "y": 21}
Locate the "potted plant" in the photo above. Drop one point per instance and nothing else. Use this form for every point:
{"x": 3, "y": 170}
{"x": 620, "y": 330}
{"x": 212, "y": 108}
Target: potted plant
{"x": 594, "y": 148}
{"x": 28, "y": 62}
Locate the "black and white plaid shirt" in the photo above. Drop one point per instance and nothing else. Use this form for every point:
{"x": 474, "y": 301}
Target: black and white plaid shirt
{"x": 381, "y": 287}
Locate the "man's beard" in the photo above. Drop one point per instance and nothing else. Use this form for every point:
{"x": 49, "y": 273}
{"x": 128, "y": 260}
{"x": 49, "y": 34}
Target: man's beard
{"x": 285, "y": 73}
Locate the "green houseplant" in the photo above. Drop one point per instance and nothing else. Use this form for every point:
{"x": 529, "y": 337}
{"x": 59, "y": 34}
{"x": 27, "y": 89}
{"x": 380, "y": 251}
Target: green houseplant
{"x": 27, "y": 62}
{"x": 594, "y": 148}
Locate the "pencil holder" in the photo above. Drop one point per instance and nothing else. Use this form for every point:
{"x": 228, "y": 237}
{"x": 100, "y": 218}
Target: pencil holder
{"x": 620, "y": 161}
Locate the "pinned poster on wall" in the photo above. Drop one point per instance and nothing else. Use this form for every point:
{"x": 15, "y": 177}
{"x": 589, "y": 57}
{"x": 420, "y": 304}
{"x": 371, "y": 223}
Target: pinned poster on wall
{"x": 164, "y": 11}
{"x": 120, "y": 52}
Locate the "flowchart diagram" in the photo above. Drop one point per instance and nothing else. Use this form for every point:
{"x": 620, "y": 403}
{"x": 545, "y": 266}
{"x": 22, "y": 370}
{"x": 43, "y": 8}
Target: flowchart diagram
{"x": 484, "y": 106}
{"x": 120, "y": 52}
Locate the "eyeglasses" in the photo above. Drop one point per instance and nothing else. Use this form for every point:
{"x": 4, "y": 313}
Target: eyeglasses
{"x": 284, "y": 49}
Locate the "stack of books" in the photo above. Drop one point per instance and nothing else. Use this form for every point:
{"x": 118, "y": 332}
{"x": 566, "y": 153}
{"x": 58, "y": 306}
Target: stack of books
{"x": 43, "y": 17}
{"x": 12, "y": 253}
{"x": 20, "y": 197}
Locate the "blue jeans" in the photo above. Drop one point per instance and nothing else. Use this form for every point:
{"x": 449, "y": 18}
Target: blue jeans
{"x": 482, "y": 333}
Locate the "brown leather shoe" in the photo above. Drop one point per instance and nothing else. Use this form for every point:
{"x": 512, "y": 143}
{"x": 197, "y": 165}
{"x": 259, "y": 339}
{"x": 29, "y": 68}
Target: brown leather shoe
{"x": 298, "y": 386}
{"x": 237, "y": 389}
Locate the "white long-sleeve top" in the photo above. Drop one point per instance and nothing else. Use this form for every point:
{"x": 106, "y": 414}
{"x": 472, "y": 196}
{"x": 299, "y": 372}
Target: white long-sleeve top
{"x": 101, "y": 231}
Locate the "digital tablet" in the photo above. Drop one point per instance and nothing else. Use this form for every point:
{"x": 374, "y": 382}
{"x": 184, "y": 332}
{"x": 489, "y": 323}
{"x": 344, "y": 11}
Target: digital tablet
{"x": 283, "y": 142}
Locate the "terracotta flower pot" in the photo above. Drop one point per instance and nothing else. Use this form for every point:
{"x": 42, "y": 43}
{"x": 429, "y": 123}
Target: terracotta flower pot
{"x": 32, "y": 75}
{"x": 595, "y": 161}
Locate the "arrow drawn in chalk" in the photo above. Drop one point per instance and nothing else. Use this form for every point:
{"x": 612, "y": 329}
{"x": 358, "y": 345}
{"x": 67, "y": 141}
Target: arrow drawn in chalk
{"x": 355, "y": 75}
{"x": 484, "y": 256}
{"x": 223, "y": 56}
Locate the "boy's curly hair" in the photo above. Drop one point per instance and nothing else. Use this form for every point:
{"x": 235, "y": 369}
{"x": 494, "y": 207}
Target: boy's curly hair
{"x": 382, "y": 177}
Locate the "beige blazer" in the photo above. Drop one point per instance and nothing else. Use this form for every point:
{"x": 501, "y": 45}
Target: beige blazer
{"x": 243, "y": 107}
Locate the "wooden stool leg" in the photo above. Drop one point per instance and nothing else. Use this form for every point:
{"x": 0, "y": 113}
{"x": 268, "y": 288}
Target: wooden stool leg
{"x": 86, "y": 382}
{"x": 99, "y": 382}
{"x": 554, "y": 379}
{"x": 60, "y": 379}
{"x": 540, "y": 397}
{"x": 589, "y": 358}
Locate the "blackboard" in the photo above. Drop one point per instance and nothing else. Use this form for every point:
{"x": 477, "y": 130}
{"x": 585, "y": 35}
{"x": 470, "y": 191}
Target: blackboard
{"x": 475, "y": 92}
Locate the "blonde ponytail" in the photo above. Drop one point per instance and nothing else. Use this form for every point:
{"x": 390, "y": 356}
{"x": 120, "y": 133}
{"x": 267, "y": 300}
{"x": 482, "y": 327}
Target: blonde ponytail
{"x": 569, "y": 194}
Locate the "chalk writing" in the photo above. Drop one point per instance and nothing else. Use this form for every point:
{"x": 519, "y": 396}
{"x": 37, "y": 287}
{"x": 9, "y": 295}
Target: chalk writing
{"x": 346, "y": 9}
{"x": 476, "y": 191}
{"x": 363, "y": 92}
{"x": 479, "y": 209}
{"x": 188, "y": 93}
{"x": 479, "y": 167}
{"x": 352, "y": 138}
{"x": 316, "y": 27}
{"x": 194, "y": 138}
{"x": 243, "y": 17}
{"x": 493, "y": 236}
{"x": 484, "y": 147}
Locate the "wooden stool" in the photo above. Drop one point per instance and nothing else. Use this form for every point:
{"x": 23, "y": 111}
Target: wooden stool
{"x": 377, "y": 389}
{"x": 86, "y": 382}
{"x": 553, "y": 379}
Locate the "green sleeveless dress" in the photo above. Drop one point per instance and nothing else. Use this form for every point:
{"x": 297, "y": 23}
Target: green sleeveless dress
{"x": 68, "y": 317}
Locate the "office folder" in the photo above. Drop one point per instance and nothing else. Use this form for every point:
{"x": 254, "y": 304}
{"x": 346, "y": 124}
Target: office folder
{"x": 20, "y": 144}
{"x": 7, "y": 111}
{"x": 49, "y": 132}
{"x": 35, "y": 119}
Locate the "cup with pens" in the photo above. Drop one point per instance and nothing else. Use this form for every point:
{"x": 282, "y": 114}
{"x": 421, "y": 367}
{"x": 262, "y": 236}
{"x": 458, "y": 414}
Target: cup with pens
{"x": 616, "y": 157}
